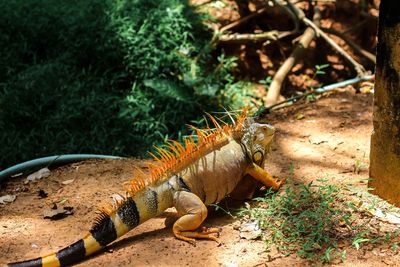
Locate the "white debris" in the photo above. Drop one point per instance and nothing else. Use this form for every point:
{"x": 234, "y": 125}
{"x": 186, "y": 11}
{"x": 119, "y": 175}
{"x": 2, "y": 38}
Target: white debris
{"x": 391, "y": 217}
{"x": 250, "y": 230}
{"x": 7, "y": 199}
{"x": 67, "y": 181}
{"x": 42, "y": 173}
{"x": 231, "y": 263}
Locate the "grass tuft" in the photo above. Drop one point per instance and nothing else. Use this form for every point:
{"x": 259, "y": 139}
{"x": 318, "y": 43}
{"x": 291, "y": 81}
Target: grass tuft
{"x": 316, "y": 221}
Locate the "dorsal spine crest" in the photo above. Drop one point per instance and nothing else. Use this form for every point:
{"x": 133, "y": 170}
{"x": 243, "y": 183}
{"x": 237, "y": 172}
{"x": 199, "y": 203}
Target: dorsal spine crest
{"x": 174, "y": 157}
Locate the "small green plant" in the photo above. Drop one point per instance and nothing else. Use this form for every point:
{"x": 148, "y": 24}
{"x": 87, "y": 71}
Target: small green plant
{"x": 319, "y": 70}
{"x": 225, "y": 210}
{"x": 300, "y": 219}
{"x": 311, "y": 220}
{"x": 327, "y": 256}
{"x": 267, "y": 81}
{"x": 360, "y": 238}
{"x": 395, "y": 247}
{"x": 359, "y": 165}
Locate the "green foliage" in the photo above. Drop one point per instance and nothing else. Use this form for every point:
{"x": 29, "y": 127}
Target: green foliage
{"x": 312, "y": 220}
{"x": 319, "y": 71}
{"x": 299, "y": 220}
{"x": 109, "y": 77}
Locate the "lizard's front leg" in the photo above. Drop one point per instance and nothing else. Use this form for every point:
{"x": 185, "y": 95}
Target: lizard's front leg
{"x": 263, "y": 176}
{"x": 192, "y": 212}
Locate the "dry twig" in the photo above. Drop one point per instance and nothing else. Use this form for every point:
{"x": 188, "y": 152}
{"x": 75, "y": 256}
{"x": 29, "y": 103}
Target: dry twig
{"x": 311, "y": 31}
{"x": 273, "y": 35}
{"x": 320, "y": 90}
{"x": 353, "y": 45}
{"x": 357, "y": 66}
{"x": 283, "y": 71}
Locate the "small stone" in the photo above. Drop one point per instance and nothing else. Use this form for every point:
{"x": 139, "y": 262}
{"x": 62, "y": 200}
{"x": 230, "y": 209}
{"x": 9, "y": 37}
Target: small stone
{"x": 250, "y": 230}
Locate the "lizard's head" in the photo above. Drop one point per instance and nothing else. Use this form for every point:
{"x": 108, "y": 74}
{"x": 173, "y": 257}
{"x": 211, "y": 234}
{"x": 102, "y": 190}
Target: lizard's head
{"x": 257, "y": 139}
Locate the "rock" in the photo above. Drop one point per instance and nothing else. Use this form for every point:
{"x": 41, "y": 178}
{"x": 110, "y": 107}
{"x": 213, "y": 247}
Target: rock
{"x": 250, "y": 230}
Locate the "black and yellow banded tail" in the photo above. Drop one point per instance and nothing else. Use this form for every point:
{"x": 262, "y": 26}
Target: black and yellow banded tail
{"x": 108, "y": 227}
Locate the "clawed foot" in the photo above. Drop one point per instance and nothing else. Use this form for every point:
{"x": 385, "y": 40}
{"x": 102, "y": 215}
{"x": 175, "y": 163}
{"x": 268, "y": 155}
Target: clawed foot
{"x": 214, "y": 230}
{"x": 279, "y": 183}
{"x": 204, "y": 233}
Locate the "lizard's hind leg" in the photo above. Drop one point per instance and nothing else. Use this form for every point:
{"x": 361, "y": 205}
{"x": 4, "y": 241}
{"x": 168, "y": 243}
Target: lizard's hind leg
{"x": 192, "y": 212}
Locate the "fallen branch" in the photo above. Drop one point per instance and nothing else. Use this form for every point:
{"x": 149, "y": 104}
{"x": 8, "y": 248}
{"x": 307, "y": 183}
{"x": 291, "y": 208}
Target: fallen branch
{"x": 254, "y": 37}
{"x": 357, "y": 66}
{"x": 353, "y": 45}
{"x": 240, "y": 37}
{"x": 297, "y": 53}
{"x": 321, "y": 90}
{"x": 264, "y": 36}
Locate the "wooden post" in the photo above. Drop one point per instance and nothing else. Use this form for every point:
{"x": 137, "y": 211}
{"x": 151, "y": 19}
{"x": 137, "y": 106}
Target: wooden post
{"x": 385, "y": 140}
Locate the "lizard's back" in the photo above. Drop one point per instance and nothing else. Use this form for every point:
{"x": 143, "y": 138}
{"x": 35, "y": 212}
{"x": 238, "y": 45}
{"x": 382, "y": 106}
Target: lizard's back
{"x": 216, "y": 174}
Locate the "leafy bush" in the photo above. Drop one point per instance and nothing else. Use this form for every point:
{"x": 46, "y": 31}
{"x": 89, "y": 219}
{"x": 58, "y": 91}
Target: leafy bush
{"x": 107, "y": 77}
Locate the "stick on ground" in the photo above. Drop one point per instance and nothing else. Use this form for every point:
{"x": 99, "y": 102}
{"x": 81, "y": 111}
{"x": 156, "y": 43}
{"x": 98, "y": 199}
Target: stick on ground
{"x": 283, "y": 71}
{"x": 353, "y": 45}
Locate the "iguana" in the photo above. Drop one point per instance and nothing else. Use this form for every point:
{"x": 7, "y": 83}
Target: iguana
{"x": 224, "y": 160}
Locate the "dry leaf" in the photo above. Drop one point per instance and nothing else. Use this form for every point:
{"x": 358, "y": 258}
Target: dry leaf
{"x": 58, "y": 213}
{"x": 67, "y": 181}
{"x": 300, "y": 116}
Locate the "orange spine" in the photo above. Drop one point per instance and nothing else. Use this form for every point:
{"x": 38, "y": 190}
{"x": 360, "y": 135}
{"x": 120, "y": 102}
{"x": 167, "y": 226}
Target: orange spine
{"x": 174, "y": 157}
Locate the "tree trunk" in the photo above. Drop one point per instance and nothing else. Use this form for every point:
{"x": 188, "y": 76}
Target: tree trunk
{"x": 385, "y": 140}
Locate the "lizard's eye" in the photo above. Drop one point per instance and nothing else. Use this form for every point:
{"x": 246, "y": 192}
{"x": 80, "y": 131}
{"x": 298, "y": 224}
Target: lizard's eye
{"x": 257, "y": 156}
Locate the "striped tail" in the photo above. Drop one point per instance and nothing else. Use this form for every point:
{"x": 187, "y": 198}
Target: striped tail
{"x": 113, "y": 222}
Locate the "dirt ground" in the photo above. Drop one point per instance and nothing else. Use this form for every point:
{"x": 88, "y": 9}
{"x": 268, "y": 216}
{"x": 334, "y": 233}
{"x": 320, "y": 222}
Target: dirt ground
{"x": 323, "y": 139}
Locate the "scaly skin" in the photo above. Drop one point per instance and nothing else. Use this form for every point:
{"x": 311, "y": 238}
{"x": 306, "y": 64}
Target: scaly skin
{"x": 207, "y": 174}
